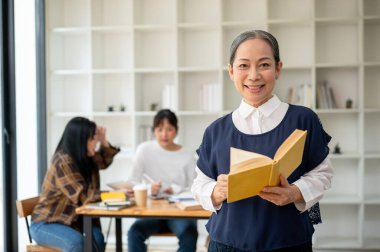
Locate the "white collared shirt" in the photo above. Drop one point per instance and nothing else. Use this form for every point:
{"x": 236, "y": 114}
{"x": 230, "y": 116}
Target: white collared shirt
{"x": 251, "y": 120}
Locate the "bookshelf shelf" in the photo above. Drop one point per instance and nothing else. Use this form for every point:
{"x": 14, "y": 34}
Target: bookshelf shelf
{"x": 142, "y": 55}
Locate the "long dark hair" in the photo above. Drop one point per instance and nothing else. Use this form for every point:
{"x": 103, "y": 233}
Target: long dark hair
{"x": 74, "y": 143}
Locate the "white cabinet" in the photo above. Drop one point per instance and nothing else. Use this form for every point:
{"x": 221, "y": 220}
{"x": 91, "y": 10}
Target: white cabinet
{"x": 118, "y": 61}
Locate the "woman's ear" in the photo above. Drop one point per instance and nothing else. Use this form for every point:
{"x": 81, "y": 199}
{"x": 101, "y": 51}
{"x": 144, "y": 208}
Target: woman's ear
{"x": 231, "y": 72}
{"x": 278, "y": 69}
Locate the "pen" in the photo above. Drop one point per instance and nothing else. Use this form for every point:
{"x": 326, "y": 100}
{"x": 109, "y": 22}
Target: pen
{"x": 150, "y": 180}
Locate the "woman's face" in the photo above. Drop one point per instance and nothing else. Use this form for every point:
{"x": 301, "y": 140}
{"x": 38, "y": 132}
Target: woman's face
{"x": 165, "y": 134}
{"x": 254, "y": 71}
{"x": 91, "y": 145}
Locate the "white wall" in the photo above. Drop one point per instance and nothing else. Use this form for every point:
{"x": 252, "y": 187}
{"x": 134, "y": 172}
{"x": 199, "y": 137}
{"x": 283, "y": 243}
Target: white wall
{"x": 25, "y": 106}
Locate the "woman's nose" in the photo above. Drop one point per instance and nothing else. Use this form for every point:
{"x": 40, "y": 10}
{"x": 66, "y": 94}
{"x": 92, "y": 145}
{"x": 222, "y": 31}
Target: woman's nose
{"x": 253, "y": 73}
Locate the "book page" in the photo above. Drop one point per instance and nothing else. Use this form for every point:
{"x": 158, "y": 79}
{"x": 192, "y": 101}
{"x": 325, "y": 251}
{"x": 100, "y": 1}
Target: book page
{"x": 239, "y": 156}
{"x": 250, "y": 164}
{"x": 289, "y": 155}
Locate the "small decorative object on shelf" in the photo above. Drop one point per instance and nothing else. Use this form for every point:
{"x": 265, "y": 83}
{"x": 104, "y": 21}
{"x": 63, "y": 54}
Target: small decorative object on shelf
{"x": 349, "y": 103}
{"x": 122, "y": 107}
{"x": 110, "y": 109}
{"x": 153, "y": 106}
{"x": 337, "y": 149}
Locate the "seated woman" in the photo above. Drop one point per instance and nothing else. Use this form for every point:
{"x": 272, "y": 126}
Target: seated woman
{"x": 172, "y": 169}
{"x": 72, "y": 181}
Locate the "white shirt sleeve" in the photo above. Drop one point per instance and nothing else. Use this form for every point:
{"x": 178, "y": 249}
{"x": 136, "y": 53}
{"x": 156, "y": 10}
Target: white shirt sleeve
{"x": 202, "y": 189}
{"x": 314, "y": 183}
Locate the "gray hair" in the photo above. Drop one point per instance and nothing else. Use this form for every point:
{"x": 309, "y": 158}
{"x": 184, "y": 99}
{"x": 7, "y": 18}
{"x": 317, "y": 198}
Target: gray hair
{"x": 269, "y": 38}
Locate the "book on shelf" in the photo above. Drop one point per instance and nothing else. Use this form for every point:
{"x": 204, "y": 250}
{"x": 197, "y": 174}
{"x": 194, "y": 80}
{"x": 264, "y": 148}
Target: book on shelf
{"x": 208, "y": 97}
{"x": 168, "y": 97}
{"x": 301, "y": 95}
{"x": 325, "y": 96}
{"x": 250, "y": 172}
{"x": 188, "y": 205}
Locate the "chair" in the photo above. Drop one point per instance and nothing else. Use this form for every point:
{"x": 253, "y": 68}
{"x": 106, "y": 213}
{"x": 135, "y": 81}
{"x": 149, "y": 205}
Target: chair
{"x": 160, "y": 234}
{"x": 24, "y": 209}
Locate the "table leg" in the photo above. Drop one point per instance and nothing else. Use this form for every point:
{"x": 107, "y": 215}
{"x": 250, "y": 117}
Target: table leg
{"x": 87, "y": 232}
{"x": 119, "y": 243}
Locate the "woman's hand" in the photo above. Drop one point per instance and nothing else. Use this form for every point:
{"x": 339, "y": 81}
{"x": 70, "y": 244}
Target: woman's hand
{"x": 155, "y": 188}
{"x": 101, "y": 134}
{"x": 283, "y": 194}
{"x": 219, "y": 194}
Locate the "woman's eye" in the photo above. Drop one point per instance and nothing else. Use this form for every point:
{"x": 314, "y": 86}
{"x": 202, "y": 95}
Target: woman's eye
{"x": 243, "y": 66}
{"x": 264, "y": 65}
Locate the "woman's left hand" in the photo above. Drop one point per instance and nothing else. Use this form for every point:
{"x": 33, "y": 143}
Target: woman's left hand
{"x": 283, "y": 194}
{"x": 101, "y": 132}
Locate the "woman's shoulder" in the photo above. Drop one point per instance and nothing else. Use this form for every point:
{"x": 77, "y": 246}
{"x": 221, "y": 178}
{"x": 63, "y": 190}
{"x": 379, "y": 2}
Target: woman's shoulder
{"x": 298, "y": 110}
{"x": 221, "y": 123}
{"x": 146, "y": 146}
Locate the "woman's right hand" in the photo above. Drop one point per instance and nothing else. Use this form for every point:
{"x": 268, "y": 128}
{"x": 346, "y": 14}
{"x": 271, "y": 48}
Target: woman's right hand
{"x": 219, "y": 194}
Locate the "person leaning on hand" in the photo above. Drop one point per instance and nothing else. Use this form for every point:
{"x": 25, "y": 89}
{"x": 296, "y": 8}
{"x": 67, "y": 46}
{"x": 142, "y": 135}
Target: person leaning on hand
{"x": 280, "y": 218}
{"x": 72, "y": 181}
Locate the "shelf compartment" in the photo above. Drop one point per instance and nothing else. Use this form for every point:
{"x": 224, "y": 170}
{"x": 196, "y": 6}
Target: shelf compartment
{"x": 372, "y": 179}
{"x": 154, "y": 91}
{"x": 344, "y": 83}
{"x": 371, "y": 227}
{"x": 336, "y": 8}
{"x": 187, "y": 135}
{"x": 112, "y": 50}
{"x": 112, "y": 90}
{"x": 66, "y": 94}
{"x": 371, "y": 8}
{"x": 196, "y": 44}
{"x": 111, "y": 12}
{"x": 153, "y": 12}
{"x": 371, "y": 133}
{"x": 294, "y": 40}
{"x": 70, "y": 51}
{"x": 371, "y": 40}
{"x": 231, "y": 97}
{"x": 344, "y": 129}
{"x": 116, "y": 129}
{"x": 68, "y": 13}
{"x": 276, "y": 9}
{"x": 237, "y": 11}
{"x": 338, "y": 230}
{"x": 346, "y": 172}
{"x": 144, "y": 131}
{"x": 337, "y": 43}
{"x": 295, "y": 86}
{"x": 371, "y": 87}
{"x": 198, "y": 11}
{"x": 199, "y": 91}
{"x": 156, "y": 49}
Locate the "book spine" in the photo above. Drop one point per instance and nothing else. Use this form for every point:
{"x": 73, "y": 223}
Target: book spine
{"x": 274, "y": 178}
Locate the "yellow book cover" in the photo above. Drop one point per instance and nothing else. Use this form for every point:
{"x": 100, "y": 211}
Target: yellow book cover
{"x": 112, "y": 196}
{"x": 250, "y": 172}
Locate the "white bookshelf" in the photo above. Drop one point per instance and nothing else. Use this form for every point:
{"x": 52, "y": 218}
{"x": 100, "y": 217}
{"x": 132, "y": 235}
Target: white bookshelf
{"x": 126, "y": 53}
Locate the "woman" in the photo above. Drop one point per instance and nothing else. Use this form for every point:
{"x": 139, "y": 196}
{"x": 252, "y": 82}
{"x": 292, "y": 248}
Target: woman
{"x": 277, "y": 219}
{"x": 171, "y": 169}
{"x": 72, "y": 181}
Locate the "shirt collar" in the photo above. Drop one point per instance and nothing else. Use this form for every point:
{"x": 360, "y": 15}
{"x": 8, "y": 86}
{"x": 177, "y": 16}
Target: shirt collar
{"x": 266, "y": 109}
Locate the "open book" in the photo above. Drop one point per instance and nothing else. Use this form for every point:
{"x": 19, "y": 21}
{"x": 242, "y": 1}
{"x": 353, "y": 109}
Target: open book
{"x": 250, "y": 172}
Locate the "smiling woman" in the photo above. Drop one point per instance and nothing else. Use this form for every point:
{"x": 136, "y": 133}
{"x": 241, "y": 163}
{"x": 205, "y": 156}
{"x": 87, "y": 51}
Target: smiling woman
{"x": 260, "y": 124}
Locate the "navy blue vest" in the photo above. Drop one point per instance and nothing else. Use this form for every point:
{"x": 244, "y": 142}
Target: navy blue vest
{"x": 254, "y": 224}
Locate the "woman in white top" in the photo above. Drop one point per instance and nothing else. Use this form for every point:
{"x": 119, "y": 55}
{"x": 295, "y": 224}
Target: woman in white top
{"x": 171, "y": 168}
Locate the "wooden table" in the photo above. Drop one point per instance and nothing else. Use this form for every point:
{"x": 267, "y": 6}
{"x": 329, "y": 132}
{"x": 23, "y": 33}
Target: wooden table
{"x": 155, "y": 209}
